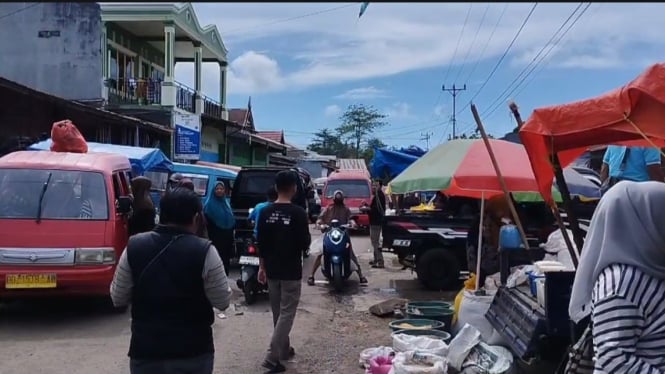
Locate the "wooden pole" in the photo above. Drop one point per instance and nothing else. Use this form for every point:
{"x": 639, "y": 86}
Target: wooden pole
{"x": 567, "y": 203}
{"x": 504, "y": 187}
{"x": 479, "y": 252}
{"x": 574, "y": 253}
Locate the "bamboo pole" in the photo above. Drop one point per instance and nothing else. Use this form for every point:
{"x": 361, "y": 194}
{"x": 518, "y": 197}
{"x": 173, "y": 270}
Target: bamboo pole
{"x": 502, "y": 181}
{"x": 479, "y": 252}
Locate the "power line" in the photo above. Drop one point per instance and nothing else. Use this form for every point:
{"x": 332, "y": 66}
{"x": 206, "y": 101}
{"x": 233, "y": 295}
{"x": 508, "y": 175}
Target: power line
{"x": 482, "y": 53}
{"x": 426, "y": 137}
{"x": 550, "y": 51}
{"x": 19, "y": 10}
{"x": 491, "y": 107}
{"x": 232, "y": 31}
{"x": 454, "y": 91}
{"x": 461, "y": 34}
{"x": 473, "y": 42}
{"x": 505, "y": 53}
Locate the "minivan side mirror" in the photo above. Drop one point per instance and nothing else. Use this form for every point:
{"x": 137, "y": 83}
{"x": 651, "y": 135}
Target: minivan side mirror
{"x": 124, "y": 204}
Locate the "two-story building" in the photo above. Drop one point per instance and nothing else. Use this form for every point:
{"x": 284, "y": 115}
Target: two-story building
{"x": 121, "y": 57}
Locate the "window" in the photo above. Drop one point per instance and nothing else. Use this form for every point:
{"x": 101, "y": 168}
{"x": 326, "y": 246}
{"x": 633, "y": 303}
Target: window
{"x": 200, "y": 182}
{"x": 52, "y": 195}
{"x": 159, "y": 180}
{"x": 256, "y": 183}
{"x": 351, "y": 188}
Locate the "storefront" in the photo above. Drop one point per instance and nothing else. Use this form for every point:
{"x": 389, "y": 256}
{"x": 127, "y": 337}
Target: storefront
{"x": 212, "y": 145}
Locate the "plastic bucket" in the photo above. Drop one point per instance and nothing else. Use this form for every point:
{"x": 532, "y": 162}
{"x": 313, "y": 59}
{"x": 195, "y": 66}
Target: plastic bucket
{"x": 416, "y": 324}
{"x": 433, "y": 334}
{"x": 441, "y": 314}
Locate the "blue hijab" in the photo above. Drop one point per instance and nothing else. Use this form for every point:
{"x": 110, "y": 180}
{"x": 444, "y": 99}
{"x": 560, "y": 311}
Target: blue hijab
{"x": 219, "y": 211}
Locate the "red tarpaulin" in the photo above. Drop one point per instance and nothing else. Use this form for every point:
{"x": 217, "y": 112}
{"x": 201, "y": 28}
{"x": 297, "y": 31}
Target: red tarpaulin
{"x": 608, "y": 119}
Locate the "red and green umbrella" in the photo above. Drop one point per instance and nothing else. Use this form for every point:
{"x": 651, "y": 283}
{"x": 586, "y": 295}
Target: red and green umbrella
{"x": 463, "y": 168}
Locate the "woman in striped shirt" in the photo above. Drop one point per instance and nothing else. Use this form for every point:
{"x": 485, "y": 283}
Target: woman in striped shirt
{"x": 620, "y": 281}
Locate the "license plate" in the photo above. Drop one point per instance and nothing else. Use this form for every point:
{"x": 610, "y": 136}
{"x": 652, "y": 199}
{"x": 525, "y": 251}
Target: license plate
{"x": 401, "y": 243}
{"x": 30, "y": 281}
{"x": 249, "y": 260}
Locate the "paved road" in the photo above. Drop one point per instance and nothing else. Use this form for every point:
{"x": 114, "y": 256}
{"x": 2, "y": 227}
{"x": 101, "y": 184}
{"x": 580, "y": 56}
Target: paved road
{"x": 79, "y": 337}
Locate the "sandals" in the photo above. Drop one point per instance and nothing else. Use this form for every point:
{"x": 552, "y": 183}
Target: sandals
{"x": 363, "y": 280}
{"x": 310, "y": 281}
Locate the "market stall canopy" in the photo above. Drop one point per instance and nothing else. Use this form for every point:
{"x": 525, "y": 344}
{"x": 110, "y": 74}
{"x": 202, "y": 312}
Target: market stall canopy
{"x": 463, "y": 167}
{"x": 141, "y": 159}
{"x": 387, "y": 163}
{"x": 623, "y": 116}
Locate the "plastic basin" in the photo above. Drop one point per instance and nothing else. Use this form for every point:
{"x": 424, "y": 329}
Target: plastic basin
{"x": 418, "y": 324}
{"x": 433, "y": 334}
{"x": 441, "y": 314}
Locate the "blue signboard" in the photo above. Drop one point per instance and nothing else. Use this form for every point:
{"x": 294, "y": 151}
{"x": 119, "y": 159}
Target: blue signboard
{"x": 187, "y": 137}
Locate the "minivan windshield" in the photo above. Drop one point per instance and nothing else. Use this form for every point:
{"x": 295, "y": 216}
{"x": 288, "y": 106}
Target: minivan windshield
{"x": 52, "y": 195}
{"x": 351, "y": 188}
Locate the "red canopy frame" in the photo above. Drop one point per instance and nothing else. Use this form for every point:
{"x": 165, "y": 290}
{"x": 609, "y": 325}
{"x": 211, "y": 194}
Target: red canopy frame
{"x": 630, "y": 115}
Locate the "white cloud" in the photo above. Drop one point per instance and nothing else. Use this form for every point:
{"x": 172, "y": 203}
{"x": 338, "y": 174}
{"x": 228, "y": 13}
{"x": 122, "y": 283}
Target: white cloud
{"x": 439, "y": 110}
{"x": 363, "y": 93}
{"x": 335, "y": 47}
{"x": 399, "y": 111}
{"x": 332, "y": 110}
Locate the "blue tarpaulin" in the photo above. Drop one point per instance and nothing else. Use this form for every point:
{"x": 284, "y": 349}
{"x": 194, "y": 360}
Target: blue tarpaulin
{"x": 413, "y": 151}
{"x": 387, "y": 163}
{"x": 141, "y": 159}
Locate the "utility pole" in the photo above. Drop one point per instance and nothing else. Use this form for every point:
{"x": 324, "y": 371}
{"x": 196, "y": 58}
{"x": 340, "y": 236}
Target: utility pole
{"x": 454, "y": 91}
{"x": 426, "y": 138}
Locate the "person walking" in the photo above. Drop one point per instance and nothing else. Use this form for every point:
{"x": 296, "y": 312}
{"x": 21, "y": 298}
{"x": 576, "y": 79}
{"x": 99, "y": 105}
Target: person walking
{"x": 377, "y": 210}
{"x": 201, "y": 223}
{"x": 283, "y": 238}
{"x": 143, "y": 210}
{"x": 638, "y": 164}
{"x": 221, "y": 224}
{"x": 173, "y": 279}
{"x": 620, "y": 281}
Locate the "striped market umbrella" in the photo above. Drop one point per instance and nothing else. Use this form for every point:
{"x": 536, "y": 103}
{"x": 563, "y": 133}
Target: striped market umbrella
{"x": 463, "y": 167}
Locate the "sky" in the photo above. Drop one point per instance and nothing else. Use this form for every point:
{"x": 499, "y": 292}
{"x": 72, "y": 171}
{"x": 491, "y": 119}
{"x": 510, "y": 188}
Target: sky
{"x": 303, "y": 64}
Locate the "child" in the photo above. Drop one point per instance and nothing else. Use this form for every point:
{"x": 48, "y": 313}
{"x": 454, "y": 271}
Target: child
{"x": 256, "y": 212}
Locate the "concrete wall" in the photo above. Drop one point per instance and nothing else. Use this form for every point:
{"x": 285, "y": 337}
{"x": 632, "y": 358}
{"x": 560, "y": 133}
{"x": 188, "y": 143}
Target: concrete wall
{"x": 68, "y": 65}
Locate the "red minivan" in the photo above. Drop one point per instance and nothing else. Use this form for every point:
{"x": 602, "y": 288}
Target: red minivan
{"x": 357, "y": 188}
{"x": 63, "y": 222}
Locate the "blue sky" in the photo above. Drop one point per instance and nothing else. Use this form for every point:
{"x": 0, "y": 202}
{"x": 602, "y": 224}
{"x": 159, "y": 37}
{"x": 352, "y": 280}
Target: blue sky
{"x": 303, "y": 64}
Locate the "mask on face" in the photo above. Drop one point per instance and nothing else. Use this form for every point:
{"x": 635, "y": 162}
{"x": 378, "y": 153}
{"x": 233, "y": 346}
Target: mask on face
{"x": 339, "y": 201}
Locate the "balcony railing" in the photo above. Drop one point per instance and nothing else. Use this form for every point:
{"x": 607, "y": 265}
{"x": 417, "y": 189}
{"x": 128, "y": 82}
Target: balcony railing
{"x": 212, "y": 107}
{"x": 149, "y": 92}
{"x": 134, "y": 91}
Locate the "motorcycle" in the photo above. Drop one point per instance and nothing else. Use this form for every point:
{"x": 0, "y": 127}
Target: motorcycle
{"x": 249, "y": 282}
{"x": 336, "y": 264}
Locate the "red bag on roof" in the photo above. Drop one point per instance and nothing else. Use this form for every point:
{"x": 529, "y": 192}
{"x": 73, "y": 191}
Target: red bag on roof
{"x": 65, "y": 137}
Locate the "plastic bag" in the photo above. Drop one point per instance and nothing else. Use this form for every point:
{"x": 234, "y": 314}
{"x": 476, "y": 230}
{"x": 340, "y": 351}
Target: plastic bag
{"x": 461, "y": 345}
{"x": 65, "y": 137}
{"x": 556, "y": 245}
{"x": 456, "y": 305}
{"x": 419, "y": 363}
{"x": 405, "y": 343}
{"x": 486, "y": 359}
{"x": 380, "y": 365}
{"x": 368, "y": 354}
{"x": 519, "y": 276}
{"x": 472, "y": 311}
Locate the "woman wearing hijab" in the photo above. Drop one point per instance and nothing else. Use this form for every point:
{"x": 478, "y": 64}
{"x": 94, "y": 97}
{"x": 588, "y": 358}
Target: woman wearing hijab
{"x": 221, "y": 224}
{"x": 143, "y": 215}
{"x": 620, "y": 280}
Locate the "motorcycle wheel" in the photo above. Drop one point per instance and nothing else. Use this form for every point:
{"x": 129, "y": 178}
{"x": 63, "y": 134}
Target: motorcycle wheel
{"x": 249, "y": 291}
{"x": 337, "y": 281}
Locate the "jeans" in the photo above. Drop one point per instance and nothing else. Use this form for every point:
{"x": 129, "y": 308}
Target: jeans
{"x": 196, "y": 365}
{"x": 375, "y": 237}
{"x": 284, "y": 298}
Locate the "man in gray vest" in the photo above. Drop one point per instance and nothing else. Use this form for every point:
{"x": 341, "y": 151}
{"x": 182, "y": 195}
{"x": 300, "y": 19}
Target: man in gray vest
{"x": 172, "y": 278}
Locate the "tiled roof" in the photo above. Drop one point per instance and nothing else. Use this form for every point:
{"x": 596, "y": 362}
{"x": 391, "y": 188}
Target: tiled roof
{"x": 238, "y": 116}
{"x": 275, "y": 136}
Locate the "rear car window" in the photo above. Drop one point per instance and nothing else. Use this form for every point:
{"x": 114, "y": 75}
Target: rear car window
{"x": 351, "y": 188}
{"x": 255, "y": 183}
{"x": 200, "y": 182}
{"x": 52, "y": 195}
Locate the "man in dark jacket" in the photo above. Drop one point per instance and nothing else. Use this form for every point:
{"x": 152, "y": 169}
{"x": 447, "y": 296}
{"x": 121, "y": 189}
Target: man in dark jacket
{"x": 377, "y": 210}
{"x": 172, "y": 278}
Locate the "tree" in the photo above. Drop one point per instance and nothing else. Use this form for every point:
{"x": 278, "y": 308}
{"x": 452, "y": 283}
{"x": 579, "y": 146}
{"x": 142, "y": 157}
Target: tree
{"x": 368, "y": 152}
{"x": 358, "y": 123}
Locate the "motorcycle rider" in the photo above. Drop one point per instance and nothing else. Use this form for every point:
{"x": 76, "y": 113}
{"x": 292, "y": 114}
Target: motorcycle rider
{"x": 340, "y": 212}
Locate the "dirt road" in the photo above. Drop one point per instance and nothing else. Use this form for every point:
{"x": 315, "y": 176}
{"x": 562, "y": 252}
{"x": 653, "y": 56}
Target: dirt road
{"x": 79, "y": 337}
